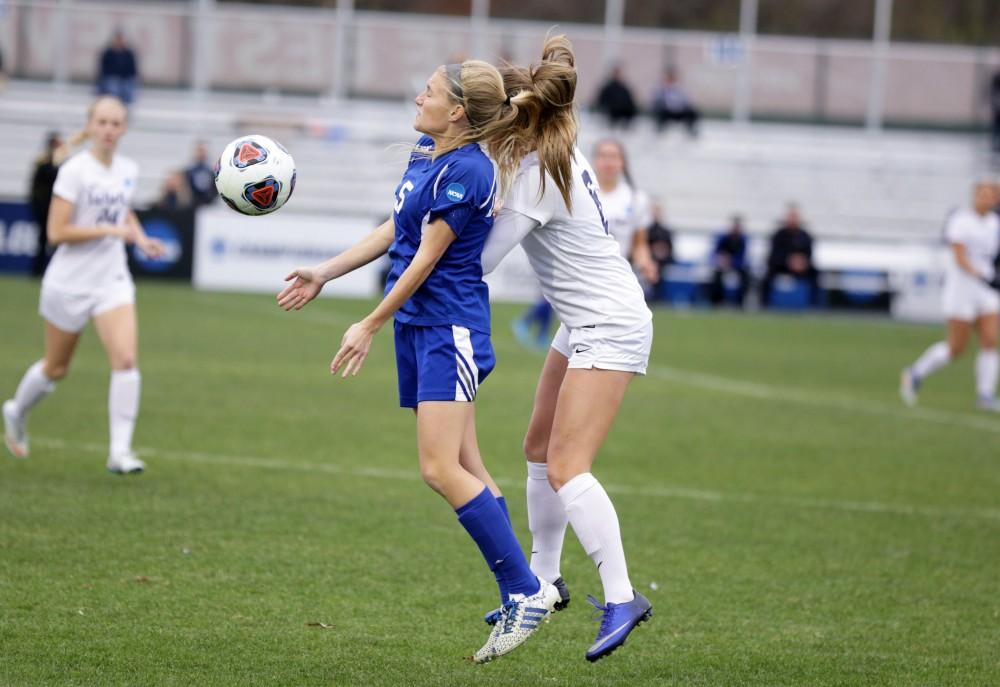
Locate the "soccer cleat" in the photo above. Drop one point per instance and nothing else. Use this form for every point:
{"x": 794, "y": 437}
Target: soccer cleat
{"x": 988, "y": 403}
{"x": 520, "y": 617}
{"x": 617, "y": 621}
{"x": 125, "y": 464}
{"x": 15, "y": 434}
{"x": 493, "y": 616}
{"x": 909, "y": 384}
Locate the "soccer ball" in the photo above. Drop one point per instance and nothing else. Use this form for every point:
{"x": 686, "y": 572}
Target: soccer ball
{"x": 255, "y": 175}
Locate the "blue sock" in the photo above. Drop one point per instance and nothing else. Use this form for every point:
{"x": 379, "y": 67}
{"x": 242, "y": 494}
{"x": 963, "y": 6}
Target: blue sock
{"x": 503, "y": 506}
{"x": 484, "y": 520}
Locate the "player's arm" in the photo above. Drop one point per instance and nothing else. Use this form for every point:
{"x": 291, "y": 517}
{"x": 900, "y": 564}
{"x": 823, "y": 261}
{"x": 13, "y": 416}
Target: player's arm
{"x": 509, "y": 229}
{"x": 642, "y": 258}
{"x": 154, "y": 248}
{"x": 307, "y": 282}
{"x": 357, "y": 341}
{"x": 962, "y": 258}
{"x": 62, "y": 230}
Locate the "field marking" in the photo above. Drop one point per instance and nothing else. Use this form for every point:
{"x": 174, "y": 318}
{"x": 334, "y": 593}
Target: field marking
{"x": 767, "y": 392}
{"x": 667, "y": 492}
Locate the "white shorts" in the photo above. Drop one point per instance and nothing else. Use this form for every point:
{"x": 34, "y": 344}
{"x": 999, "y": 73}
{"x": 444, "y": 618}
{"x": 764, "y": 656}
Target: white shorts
{"x": 71, "y": 311}
{"x": 606, "y": 347}
{"x": 967, "y": 299}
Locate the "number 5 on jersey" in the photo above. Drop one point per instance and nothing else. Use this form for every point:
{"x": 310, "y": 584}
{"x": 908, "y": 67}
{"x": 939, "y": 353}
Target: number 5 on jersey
{"x": 406, "y": 187}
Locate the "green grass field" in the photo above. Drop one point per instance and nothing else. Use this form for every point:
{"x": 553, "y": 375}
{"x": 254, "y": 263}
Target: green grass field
{"x": 791, "y": 522}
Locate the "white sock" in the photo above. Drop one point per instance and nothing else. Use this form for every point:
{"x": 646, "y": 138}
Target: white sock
{"x": 33, "y": 388}
{"x": 547, "y": 521}
{"x": 933, "y": 359}
{"x": 986, "y": 373}
{"x": 123, "y": 407}
{"x": 596, "y": 525}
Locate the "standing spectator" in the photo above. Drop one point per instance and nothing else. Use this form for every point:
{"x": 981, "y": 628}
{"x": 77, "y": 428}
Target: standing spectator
{"x": 995, "y": 106}
{"x": 118, "y": 70}
{"x": 201, "y": 178}
{"x": 671, "y": 103}
{"x": 729, "y": 260}
{"x": 43, "y": 178}
{"x": 661, "y": 248}
{"x": 616, "y": 102}
{"x": 791, "y": 254}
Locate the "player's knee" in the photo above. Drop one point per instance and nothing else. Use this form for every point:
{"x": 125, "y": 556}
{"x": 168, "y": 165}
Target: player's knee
{"x": 956, "y": 348}
{"x": 56, "y": 371}
{"x": 122, "y": 362}
{"x": 434, "y": 475}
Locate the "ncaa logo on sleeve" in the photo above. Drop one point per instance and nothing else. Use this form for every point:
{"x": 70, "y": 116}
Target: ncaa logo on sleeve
{"x": 455, "y": 192}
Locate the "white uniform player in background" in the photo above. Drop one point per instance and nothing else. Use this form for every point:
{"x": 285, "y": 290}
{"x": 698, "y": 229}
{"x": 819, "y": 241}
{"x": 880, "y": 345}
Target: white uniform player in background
{"x": 603, "y": 342}
{"x": 627, "y": 209}
{"x": 90, "y": 220}
{"x": 971, "y": 300}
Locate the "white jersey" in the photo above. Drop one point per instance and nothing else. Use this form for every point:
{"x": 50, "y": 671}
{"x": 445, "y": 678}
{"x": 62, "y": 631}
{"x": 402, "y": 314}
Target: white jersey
{"x": 980, "y": 234}
{"x": 579, "y": 266}
{"x": 100, "y": 195}
{"x": 627, "y": 211}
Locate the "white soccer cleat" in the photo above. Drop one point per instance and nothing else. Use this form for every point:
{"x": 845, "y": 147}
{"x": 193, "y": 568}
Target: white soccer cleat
{"x": 520, "y": 618}
{"x": 989, "y": 403}
{"x": 908, "y": 387}
{"x": 15, "y": 433}
{"x": 125, "y": 464}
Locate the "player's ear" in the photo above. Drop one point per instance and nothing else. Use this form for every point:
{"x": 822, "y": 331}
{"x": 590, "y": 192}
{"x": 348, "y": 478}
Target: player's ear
{"x": 457, "y": 113}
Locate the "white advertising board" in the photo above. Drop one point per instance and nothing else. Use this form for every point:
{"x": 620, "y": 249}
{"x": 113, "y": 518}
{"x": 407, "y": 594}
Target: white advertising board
{"x": 238, "y": 253}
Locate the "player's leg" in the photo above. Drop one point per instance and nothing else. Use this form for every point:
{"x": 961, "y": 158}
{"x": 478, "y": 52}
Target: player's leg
{"x": 987, "y": 362}
{"x": 38, "y": 382}
{"x": 118, "y": 331}
{"x": 547, "y": 518}
{"x": 934, "y": 358}
{"x": 588, "y": 402}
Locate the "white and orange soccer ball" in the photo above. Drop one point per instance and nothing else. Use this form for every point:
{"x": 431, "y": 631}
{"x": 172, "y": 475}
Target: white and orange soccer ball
{"x": 255, "y": 175}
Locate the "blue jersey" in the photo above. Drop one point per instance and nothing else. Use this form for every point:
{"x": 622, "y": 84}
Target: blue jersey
{"x": 457, "y": 187}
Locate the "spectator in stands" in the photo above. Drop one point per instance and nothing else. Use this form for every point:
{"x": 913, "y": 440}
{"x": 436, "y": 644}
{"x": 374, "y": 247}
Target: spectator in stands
{"x": 995, "y": 106}
{"x": 175, "y": 193}
{"x": 791, "y": 255}
{"x": 117, "y": 71}
{"x": 3, "y": 72}
{"x": 616, "y": 102}
{"x": 43, "y": 178}
{"x": 201, "y": 177}
{"x": 729, "y": 260}
{"x": 671, "y": 103}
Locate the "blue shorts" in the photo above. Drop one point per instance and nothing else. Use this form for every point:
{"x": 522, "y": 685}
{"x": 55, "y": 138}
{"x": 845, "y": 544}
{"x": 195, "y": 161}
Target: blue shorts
{"x": 440, "y": 363}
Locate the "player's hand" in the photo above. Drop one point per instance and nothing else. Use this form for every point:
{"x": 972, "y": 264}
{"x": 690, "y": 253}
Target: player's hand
{"x": 354, "y": 349}
{"x": 305, "y": 285}
{"x": 649, "y": 270}
{"x": 153, "y": 248}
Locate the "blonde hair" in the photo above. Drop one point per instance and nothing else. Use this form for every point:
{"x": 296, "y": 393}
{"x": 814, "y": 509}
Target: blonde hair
{"x": 100, "y": 100}
{"x": 543, "y": 95}
{"x": 492, "y": 116}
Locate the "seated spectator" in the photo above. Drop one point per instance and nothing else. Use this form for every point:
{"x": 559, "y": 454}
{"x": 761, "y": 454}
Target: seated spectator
{"x": 175, "y": 193}
{"x": 729, "y": 262}
{"x": 995, "y": 107}
{"x": 671, "y": 103}
{"x": 201, "y": 177}
{"x": 791, "y": 255}
{"x": 118, "y": 73}
{"x": 616, "y": 102}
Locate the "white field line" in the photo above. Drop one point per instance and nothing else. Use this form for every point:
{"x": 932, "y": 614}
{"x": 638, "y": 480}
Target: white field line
{"x": 654, "y": 491}
{"x": 767, "y": 392}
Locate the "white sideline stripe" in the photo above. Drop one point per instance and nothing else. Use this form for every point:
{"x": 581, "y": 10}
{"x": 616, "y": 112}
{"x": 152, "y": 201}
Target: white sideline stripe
{"x": 651, "y": 490}
{"x": 766, "y": 392}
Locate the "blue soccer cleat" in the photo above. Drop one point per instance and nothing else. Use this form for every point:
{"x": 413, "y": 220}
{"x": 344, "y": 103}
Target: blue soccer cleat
{"x": 493, "y": 616}
{"x": 617, "y": 621}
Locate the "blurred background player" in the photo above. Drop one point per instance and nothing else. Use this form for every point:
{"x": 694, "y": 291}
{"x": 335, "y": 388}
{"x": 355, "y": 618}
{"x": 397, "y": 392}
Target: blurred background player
{"x": 532, "y": 329}
{"x": 554, "y": 212}
{"x": 88, "y": 279}
{"x": 971, "y": 300}
{"x": 625, "y": 207}
{"x": 436, "y": 293}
